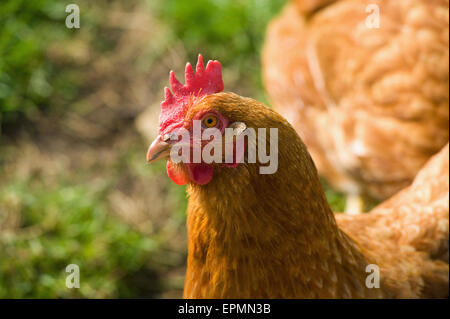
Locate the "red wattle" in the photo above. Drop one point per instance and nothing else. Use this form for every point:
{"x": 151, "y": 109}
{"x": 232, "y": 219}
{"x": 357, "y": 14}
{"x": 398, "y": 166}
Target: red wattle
{"x": 176, "y": 174}
{"x": 200, "y": 173}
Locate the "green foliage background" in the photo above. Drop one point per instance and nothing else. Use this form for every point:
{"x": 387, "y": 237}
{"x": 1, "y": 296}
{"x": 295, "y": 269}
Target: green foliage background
{"x": 25, "y": 75}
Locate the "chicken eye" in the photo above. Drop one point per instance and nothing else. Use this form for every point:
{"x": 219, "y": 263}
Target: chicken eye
{"x": 210, "y": 121}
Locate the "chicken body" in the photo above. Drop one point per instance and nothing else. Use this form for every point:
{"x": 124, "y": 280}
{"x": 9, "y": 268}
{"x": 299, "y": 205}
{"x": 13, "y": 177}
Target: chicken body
{"x": 411, "y": 228}
{"x": 252, "y": 235}
{"x": 371, "y": 103}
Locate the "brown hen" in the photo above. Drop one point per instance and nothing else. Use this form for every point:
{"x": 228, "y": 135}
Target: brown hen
{"x": 371, "y": 103}
{"x": 254, "y": 235}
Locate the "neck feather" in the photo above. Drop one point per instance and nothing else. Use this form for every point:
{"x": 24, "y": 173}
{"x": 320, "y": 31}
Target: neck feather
{"x": 269, "y": 236}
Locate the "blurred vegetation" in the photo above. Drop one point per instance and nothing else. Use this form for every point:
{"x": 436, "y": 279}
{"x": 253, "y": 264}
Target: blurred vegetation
{"x": 82, "y": 233}
{"x": 73, "y": 184}
{"x": 29, "y": 81}
{"x": 27, "y": 28}
{"x": 231, "y": 30}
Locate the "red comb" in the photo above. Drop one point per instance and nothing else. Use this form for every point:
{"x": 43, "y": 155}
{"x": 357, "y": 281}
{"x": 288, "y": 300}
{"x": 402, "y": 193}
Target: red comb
{"x": 199, "y": 84}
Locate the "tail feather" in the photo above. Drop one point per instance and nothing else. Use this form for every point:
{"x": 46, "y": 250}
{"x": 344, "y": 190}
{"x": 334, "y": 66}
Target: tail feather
{"x": 423, "y": 208}
{"x": 409, "y": 233}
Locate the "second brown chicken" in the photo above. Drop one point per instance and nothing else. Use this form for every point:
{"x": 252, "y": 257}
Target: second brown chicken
{"x": 365, "y": 83}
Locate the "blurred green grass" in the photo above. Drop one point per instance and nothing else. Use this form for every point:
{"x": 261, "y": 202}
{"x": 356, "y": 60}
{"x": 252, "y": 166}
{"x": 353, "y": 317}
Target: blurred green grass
{"x": 26, "y": 77}
{"x": 75, "y": 226}
{"x": 73, "y": 184}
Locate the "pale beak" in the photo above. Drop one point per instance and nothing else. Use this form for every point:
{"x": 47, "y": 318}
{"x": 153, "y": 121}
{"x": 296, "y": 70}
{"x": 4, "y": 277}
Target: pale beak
{"x": 158, "y": 149}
